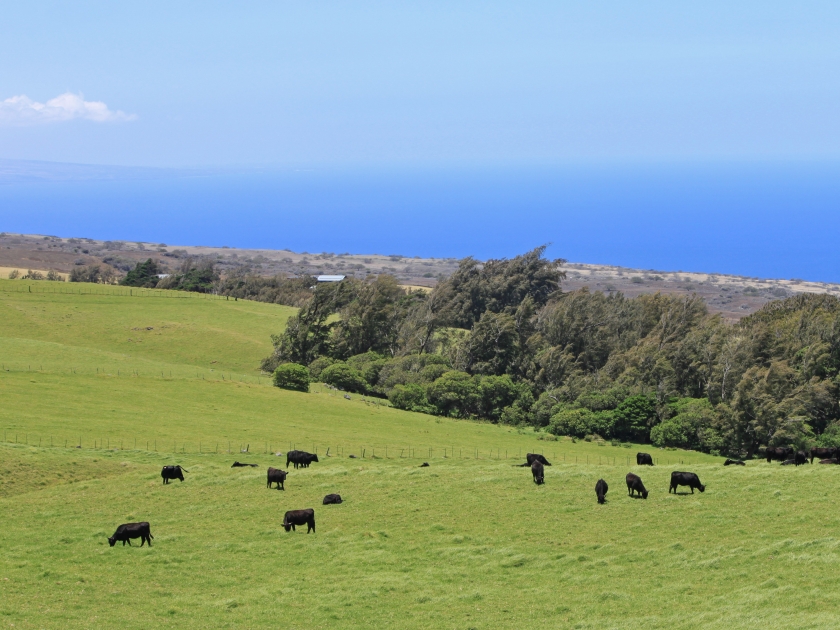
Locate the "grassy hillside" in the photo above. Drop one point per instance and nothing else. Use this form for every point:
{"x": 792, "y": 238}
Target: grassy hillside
{"x": 464, "y": 543}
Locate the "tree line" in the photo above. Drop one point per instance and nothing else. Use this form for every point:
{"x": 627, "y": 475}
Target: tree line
{"x": 501, "y": 341}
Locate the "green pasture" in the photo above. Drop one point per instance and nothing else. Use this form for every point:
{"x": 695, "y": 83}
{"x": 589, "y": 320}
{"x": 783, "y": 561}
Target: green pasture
{"x": 469, "y": 542}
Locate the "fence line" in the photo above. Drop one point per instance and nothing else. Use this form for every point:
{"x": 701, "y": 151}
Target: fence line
{"x": 87, "y": 288}
{"x": 130, "y": 372}
{"x": 229, "y": 447}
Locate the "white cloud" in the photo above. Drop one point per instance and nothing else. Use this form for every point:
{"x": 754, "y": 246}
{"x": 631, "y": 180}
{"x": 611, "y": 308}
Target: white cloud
{"x": 22, "y": 110}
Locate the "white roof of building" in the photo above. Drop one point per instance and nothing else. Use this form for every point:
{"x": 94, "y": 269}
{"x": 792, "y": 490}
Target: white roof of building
{"x": 330, "y": 278}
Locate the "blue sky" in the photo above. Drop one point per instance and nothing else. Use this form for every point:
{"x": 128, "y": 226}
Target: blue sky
{"x": 432, "y": 83}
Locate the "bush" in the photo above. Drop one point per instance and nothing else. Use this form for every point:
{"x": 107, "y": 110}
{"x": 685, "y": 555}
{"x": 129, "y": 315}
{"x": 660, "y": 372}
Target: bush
{"x": 692, "y": 427}
{"x": 54, "y": 276}
{"x": 318, "y": 366}
{"x": 292, "y": 376}
{"x": 410, "y": 397}
{"x": 344, "y": 377}
{"x": 580, "y": 423}
{"x": 14, "y": 273}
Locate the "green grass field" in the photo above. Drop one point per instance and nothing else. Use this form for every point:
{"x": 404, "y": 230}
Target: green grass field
{"x": 469, "y": 542}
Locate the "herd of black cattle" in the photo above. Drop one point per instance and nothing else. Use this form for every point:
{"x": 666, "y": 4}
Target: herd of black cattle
{"x": 537, "y": 462}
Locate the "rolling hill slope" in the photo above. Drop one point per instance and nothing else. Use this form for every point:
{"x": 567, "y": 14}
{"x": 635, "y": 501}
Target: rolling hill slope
{"x": 469, "y": 541}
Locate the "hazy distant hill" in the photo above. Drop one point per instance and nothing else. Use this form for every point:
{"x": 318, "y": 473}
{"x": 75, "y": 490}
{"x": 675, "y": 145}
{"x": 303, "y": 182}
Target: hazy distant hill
{"x": 733, "y": 296}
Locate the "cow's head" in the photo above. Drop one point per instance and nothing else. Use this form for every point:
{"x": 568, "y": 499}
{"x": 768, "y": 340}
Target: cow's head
{"x": 644, "y": 494}
{"x": 287, "y": 526}
{"x": 314, "y": 458}
{"x": 112, "y": 541}
{"x": 701, "y": 488}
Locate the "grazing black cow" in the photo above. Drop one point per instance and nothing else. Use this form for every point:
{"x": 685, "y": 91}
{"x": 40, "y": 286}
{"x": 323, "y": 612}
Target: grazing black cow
{"x": 299, "y": 517}
{"x": 830, "y": 461}
{"x": 424, "y": 465}
{"x": 241, "y": 465}
{"x": 800, "y": 458}
{"x": 332, "y": 499}
{"x": 734, "y": 462}
{"x": 538, "y": 471}
{"x": 685, "y": 479}
{"x": 536, "y": 457}
{"x": 601, "y": 491}
{"x": 819, "y": 452}
{"x": 127, "y": 531}
{"x": 780, "y": 453}
{"x": 644, "y": 459}
{"x": 300, "y": 458}
{"x": 275, "y": 475}
{"x": 172, "y": 472}
{"x": 634, "y": 484}
{"x": 788, "y": 462}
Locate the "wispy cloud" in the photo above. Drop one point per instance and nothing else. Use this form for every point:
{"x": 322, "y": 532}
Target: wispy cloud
{"x": 22, "y": 110}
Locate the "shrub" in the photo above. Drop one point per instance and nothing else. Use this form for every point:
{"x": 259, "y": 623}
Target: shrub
{"x": 54, "y": 276}
{"x": 410, "y": 397}
{"x": 292, "y": 376}
{"x": 580, "y": 422}
{"x": 33, "y": 275}
{"x": 318, "y": 366}
{"x": 14, "y": 273}
{"x": 344, "y": 377}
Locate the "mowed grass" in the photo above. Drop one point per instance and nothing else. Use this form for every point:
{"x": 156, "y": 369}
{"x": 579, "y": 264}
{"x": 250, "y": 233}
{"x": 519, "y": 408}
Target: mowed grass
{"x": 464, "y": 543}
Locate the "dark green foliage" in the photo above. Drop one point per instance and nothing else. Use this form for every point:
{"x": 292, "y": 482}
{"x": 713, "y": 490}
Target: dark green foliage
{"x": 318, "y": 366}
{"x": 345, "y": 378}
{"x": 499, "y": 341}
{"x": 144, "y": 274}
{"x": 199, "y": 276}
{"x": 292, "y": 376}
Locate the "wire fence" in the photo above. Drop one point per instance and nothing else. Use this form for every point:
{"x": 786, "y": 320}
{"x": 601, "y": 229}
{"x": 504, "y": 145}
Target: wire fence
{"x": 281, "y": 447}
{"x": 124, "y": 371}
{"x": 86, "y": 288}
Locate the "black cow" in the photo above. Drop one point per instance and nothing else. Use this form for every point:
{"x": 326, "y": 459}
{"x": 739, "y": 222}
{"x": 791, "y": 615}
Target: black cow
{"x": 601, "y": 491}
{"x": 332, "y": 499}
{"x": 300, "y": 458}
{"x": 127, "y": 531}
{"x": 685, "y": 479}
{"x": 275, "y": 475}
{"x": 634, "y": 484}
{"x": 734, "y": 462}
{"x": 644, "y": 459}
{"x": 424, "y": 465}
{"x": 299, "y": 517}
{"x": 241, "y": 465}
{"x": 536, "y": 457}
{"x": 800, "y": 458}
{"x": 788, "y": 462}
{"x": 830, "y": 461}
{"x": 538, "y": 471}
{"x": 823, "y": 453}
{"x": 780, "y": 453}
{"x": 172, "y": 472}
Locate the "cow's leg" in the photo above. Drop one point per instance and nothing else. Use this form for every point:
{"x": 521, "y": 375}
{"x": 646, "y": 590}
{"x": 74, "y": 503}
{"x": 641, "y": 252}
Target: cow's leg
{"x": 129, "y": 542}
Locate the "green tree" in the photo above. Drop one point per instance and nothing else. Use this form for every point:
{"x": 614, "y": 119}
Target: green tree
{"x": 144, "y": 274}
{"x": 292, "y": 376}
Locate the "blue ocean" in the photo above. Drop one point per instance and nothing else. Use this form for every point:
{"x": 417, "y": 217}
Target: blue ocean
{"x": 764, "y": 220}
